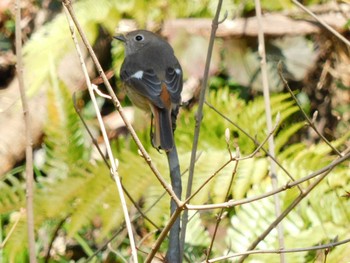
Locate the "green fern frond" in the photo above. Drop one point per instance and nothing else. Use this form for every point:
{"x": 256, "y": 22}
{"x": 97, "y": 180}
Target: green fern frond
{"x": 12, "y": 193}
{"x": 252, "y": 178}
{"x": 250, "y": 117}
{"x": 15, "y": 249}
{"x": 284, "y": 135}
{"x": 322, "y": 216}
{"x": 64, "y": 138}
{"x": 53, "y": 42}
{"x": 196, "y": 234}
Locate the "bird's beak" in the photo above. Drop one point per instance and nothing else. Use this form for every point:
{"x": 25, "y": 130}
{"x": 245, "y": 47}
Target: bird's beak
{"x": 120, "y": 38}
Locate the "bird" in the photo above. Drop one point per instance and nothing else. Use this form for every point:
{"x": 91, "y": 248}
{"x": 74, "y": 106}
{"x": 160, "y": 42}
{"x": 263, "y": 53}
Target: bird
{"x": 153, "y": 80}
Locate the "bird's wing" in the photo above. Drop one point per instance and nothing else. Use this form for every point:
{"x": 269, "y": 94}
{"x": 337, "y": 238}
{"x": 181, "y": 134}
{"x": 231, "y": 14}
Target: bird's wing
{"x": 173, "y": 80}
{"x": 146, "y": 83}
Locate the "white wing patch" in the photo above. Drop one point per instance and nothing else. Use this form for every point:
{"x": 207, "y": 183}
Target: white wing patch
{"x": 137, "y": 75}
{"x": 178, "y": 71}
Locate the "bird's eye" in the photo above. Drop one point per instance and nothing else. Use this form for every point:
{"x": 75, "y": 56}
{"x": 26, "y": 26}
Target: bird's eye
{"x": 139, "y": 38}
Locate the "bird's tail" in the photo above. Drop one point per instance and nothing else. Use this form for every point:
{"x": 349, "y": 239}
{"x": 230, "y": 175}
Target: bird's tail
{"x": 163, "y": 134}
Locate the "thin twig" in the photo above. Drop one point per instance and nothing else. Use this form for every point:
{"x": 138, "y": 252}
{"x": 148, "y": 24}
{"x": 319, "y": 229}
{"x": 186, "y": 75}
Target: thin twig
{"x": 143, "y": 239}
{"x": 54, "y": 235}
{"x": 94, "y": 141}
{"x": 138, "y": 208}
{"x": 309, "y": 121}
{"x": 13, "y": 227}
{"x": 145, "y": 155}
{"x": 286, "y": 212}
{"x": 117, "y": 253}
{"x": 271, "y": 133}
{"x": 289, "y": 185}
{"x": 217, "y": 171}
{"x": 28, "y": 135}
{"x": 163, "y": 194}
{"x": 272, "y": 251}
{"x": 266, "y": 91}
{"x": 221, "y": 213}
{"x": 160, "y": 258}
{"x": 232, "y": 158}
{"x": 101, "y": 94}
{"x": 117, "y": 233}
{"x": 114, "y": 168}
{"x": 163, "y": 235}
{"x": 105, "y": 137}
{"x": 199, "y": 117}
{"x": 253, "y": 140}
{"x": 324, "y": 24}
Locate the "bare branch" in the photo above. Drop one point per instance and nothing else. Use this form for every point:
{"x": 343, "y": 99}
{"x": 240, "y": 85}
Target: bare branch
{"x": 13, "y": 227}
{"x": 143, "y": 239}
{"x": 232, "y": 158}
{"x": 287, "y": 211}
{"x": 221, "y": 213}
{"x": 199, "y": 117}
{"x": 324, "y": 24}
{"x": 266, "y": 91}
{"x": 113, "y": 162}
{"x": 206, "y": 182}
{"x": 253, "y": 140}
{"x": 263, "y": 142}
{"x": 163, "y": 234}
{"x": 223, "y": 19}
{"x": 284, "y": 251}
{"x": 54, "y": 235}
{"x": 232, "y": 203}
{"x": 309, "y": 121}
{"x": 117, "y": 253}
{"x": 94, "y": 141}
{"x": 29, "y": 142}
{"x": 118, "y": 233}
{"x": 100, "y": 93}
{"x": 143, "y": 214}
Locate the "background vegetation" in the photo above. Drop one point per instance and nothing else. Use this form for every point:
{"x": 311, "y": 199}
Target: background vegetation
{"x": 76, "y": 206}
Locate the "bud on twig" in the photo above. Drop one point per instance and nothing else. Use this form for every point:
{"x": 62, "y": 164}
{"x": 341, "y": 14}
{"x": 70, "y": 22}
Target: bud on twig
{"x": 227, "y": 135}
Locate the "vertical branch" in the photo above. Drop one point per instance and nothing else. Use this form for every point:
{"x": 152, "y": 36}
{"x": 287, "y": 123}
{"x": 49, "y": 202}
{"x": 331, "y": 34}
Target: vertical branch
{"x": 28, "y": 134}
{"x": 173, "y": 254}
{"x": 199, "y": 117}
{"x": 273, "y": 170}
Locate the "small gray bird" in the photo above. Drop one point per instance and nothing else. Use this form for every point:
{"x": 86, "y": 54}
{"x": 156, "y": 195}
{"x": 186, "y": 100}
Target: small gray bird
{"x": 153, "y": 79}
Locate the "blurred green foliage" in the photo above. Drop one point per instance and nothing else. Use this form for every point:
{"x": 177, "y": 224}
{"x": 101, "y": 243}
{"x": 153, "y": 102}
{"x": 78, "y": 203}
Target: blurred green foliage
{"x": 74, "y": 188}
{"x": 79, "y": 190}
